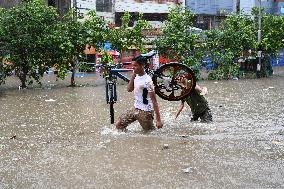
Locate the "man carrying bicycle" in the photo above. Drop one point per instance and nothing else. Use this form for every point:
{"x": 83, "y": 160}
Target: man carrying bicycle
{"x": 197, "y": 103}
{"x": 145, "y": 102}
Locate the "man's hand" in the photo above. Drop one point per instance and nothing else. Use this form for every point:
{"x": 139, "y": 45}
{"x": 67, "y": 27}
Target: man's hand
{"x": 159, "y": 124}
{"x": 130, "y": 85}
{"x": 133, "y": 75}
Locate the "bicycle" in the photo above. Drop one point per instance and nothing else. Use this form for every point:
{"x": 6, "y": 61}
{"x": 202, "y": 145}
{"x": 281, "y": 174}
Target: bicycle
{"x": 165, "y": 80}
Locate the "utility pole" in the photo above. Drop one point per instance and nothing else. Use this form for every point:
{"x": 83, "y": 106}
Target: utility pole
{"x": 259, "y": 52}
{"x": 75, "y": 59}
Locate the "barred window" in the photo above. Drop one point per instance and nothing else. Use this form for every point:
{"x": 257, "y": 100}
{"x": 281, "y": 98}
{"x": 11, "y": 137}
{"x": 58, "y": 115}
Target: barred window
{"x": 104, "y": 5}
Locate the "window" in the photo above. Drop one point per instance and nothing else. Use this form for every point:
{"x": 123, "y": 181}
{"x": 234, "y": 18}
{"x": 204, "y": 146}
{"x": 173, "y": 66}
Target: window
{"x": 104, "y": 5}
{"x": 51, "y": 3}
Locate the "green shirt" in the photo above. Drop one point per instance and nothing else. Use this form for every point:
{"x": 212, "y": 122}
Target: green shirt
{"x": 196, "y": 102}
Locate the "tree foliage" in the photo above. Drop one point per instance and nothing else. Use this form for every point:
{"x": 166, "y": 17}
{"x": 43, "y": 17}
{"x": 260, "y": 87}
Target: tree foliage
{"x": 97, "y": 30}
{"x": 71, "y": 39}
{"x": 272, "y": 34}
{"x": 124, "y": 37}
{"x": 25, "y": 33}
{"x": 224, "y": 45}
{"x": 179, "y": 39}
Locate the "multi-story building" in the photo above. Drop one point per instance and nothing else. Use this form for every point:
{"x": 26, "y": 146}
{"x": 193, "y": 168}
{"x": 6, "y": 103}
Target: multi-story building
{"x": 209, "y": 13}
{"x": 154, "y": 11}
{"x": 275, "y": 7}
{"x": 104, "y": 8}
{"x": 278, "y": 7}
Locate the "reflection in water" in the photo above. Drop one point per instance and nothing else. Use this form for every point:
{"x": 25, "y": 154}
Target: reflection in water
{"x": 61, "y": 137}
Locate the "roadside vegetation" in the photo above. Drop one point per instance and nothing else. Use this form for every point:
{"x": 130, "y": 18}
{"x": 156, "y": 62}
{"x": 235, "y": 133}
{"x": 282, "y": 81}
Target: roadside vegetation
{"x": 34, "y": 38}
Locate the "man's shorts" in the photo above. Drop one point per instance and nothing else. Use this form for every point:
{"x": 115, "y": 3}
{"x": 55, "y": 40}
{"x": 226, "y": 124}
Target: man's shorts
{"x": 144, "y": 118}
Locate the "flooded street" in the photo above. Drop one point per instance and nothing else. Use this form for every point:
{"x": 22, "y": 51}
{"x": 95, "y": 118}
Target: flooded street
{"x": 61, "y": 137}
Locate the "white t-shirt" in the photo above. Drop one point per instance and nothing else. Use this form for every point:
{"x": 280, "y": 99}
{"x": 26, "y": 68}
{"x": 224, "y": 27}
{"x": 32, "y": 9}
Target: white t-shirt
{"x": 141, "y": 82}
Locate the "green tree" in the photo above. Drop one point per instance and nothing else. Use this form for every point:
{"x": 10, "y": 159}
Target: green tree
{"x": 124, "y": 36}
{"x": 70, "y": 39}
{"x": 121, "y": 38}
{"x": 3, "y": 69}
{"x": 272, "y": 36}
{"x": 236, "y": 35}
{"x": 179, "y": 39}
{"x": 24, "y": 39}
{"x": 97, "y": 30}
{"x": 239, "y": 33}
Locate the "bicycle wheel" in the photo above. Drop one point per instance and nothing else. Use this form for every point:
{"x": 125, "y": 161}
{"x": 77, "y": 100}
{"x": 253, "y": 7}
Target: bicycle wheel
{"x": 114, "y": 93}
{"x": 111, "y": 101}
{"x": 107, "y": 91}
{"x": 174, "y": 81}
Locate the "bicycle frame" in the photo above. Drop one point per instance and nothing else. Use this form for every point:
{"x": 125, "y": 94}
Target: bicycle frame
{"x": 111, "y": 94}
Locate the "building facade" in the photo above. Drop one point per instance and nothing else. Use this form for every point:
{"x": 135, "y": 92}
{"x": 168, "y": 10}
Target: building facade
{"x": 275, "y": 7}
{"x": 210, "y": 13}
{"x": 155, "y": 11}
{"x": 104, "y": 8}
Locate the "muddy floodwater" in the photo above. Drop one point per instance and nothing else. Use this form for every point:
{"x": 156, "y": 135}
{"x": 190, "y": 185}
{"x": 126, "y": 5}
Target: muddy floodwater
{"x": 60, "y": 137}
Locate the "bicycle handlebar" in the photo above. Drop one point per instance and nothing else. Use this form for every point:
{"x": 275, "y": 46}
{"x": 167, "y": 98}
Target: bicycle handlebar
{"x": 149, "y": 54}
{"x": 111, "y": 66}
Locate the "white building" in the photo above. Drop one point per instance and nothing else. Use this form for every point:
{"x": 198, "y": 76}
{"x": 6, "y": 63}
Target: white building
{"x": 104, "y": 8}
{"x": 155, "y": 11}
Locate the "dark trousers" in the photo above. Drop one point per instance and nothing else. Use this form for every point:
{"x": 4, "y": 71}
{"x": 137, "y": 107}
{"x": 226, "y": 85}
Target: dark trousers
{"x": 205, "y": 116}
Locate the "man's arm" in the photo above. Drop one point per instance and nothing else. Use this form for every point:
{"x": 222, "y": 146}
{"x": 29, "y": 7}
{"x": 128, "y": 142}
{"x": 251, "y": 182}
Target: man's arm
{"x": 156, "y": 109}
{"x": 130, "y": 85}
{"x": 180, "y": 109}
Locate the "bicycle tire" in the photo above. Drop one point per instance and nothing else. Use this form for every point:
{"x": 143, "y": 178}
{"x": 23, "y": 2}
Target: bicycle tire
{"x": 111, "y": 102}
{"x": 107, "y": 91}
{"x": 114, "y": 92}
{"x": 173, "y": 85}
